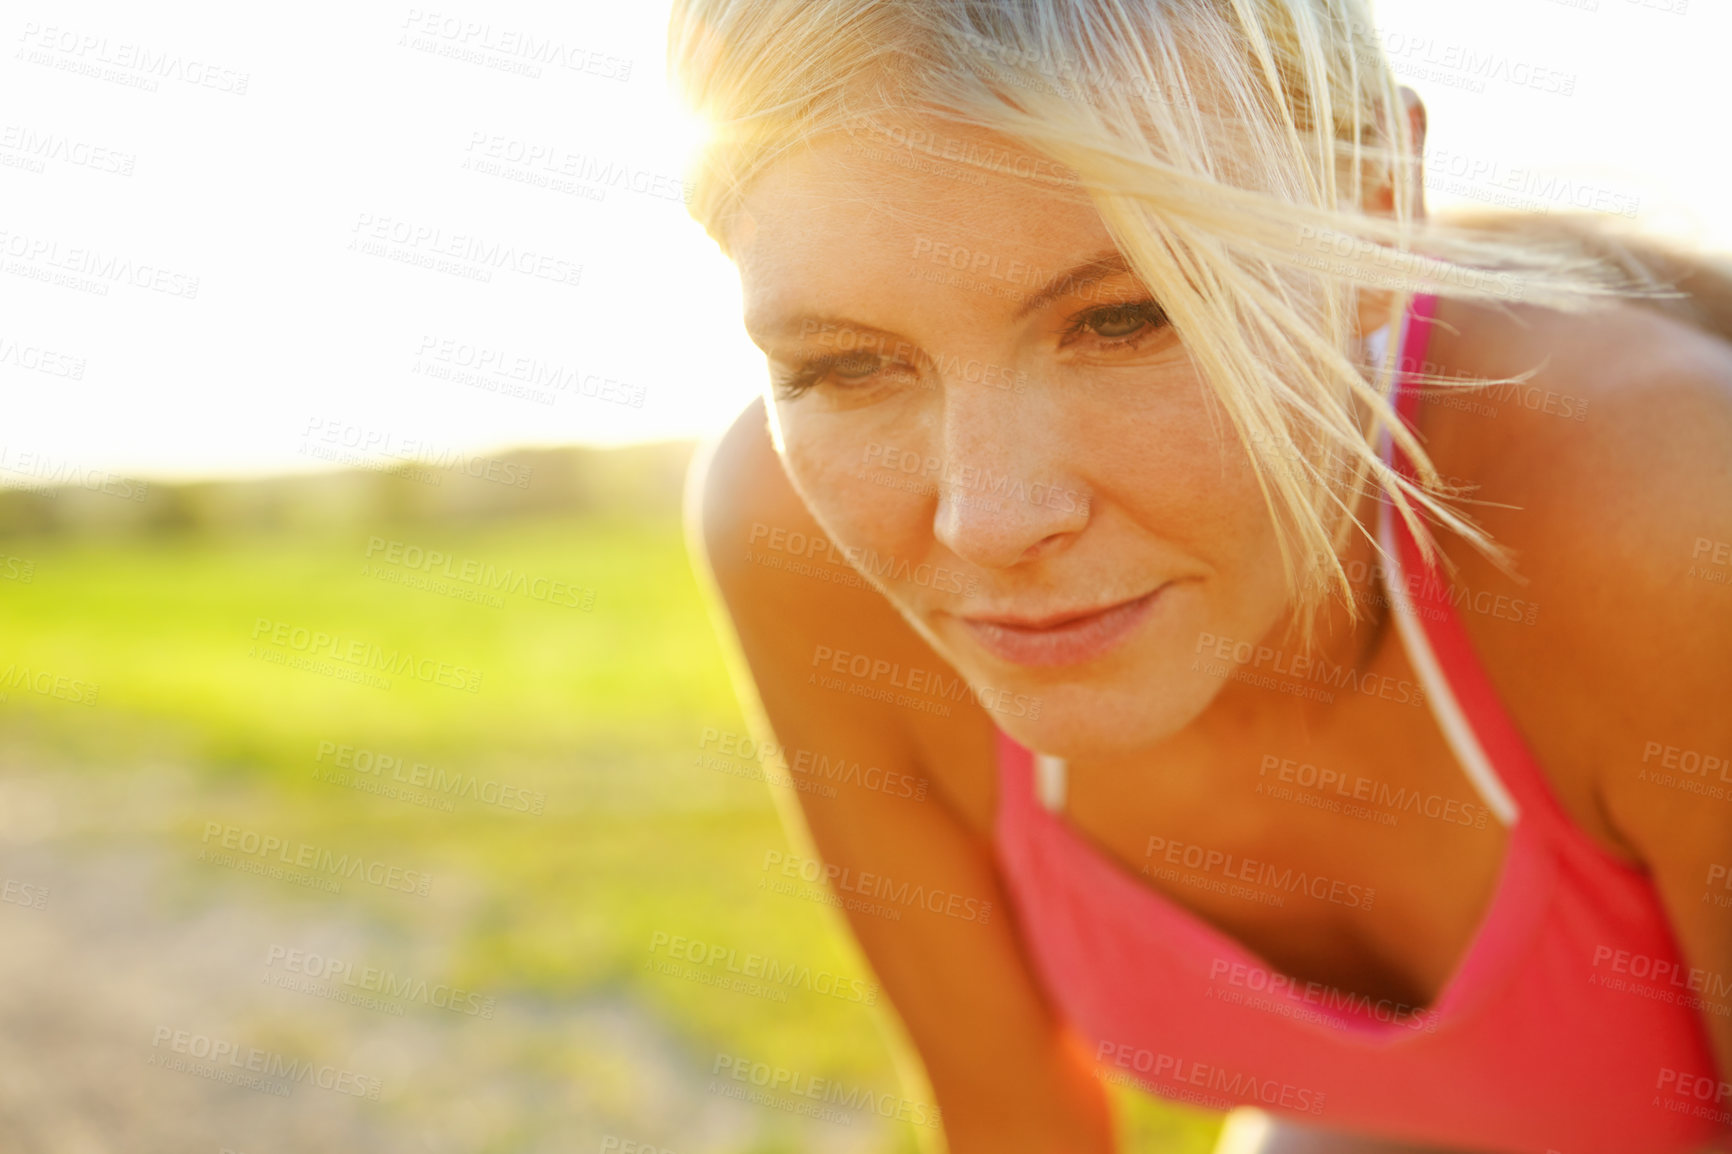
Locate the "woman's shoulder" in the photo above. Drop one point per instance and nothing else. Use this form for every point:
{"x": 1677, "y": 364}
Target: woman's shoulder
{"x": 1611, "y": 432}
{"x": 1607, "y": 473}
{"x": 815, "y": 631}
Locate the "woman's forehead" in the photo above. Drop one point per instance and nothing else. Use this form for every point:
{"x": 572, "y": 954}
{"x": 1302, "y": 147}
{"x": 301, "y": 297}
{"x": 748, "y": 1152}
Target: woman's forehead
{"x": 852, "y": 204}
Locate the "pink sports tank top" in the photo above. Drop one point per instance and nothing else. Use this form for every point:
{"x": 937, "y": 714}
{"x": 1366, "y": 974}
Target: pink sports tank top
{"x": 1570, "y": 1025}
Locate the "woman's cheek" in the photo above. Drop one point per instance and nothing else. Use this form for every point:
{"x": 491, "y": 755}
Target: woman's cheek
{"x": 855, "y": 488}
{"x": 1171, "y": 458}
{"x": 1181, "y": 473}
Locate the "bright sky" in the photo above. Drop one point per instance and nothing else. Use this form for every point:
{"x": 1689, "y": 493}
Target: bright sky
{"x": 304, "y": 165}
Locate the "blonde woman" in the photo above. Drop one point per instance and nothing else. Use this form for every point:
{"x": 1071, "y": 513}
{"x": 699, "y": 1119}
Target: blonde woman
{"x": 1311, "y": 618}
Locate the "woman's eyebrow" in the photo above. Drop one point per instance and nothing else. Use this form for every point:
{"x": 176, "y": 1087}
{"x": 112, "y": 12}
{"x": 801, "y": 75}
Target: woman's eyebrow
{"x": 1106, "y": 265}
{"x": 805, "y": 325}
{"x": 1091, "y": 271}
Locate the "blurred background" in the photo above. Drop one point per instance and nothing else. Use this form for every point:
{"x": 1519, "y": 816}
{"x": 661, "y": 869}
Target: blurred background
{"x": 370, "y": 778}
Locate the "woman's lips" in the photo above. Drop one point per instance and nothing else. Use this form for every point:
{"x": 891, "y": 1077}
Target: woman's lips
{"x": 1064, "y": 640}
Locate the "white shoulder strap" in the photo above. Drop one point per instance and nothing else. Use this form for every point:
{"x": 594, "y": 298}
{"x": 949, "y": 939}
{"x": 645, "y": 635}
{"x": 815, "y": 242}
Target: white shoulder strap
{"x": 1050, "y": 778}
{"x": 1447, "y": 711}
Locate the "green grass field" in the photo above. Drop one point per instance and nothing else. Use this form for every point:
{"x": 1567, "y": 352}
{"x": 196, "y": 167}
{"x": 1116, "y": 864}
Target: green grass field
{"x": 597, "y": 711}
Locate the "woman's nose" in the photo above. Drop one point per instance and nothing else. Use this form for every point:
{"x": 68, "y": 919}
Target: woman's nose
{"x": 1004, "y": 494}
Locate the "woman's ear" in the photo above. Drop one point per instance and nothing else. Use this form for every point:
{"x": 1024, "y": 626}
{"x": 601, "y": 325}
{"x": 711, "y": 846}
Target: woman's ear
{"x": 1373, "y": 304}
{"x": 1382, "y": 198}
{"x": 1414, "y": 108}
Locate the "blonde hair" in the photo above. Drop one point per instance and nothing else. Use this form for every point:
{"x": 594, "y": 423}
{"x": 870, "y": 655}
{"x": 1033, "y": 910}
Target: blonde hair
{"x": 1230, "y": 147}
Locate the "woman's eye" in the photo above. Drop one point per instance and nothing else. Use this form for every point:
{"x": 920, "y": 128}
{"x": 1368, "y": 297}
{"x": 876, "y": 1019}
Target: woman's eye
{"x": 1117, "y": 326}
{"x": 1117, "y": 323}
{"x": 855, "y": 367}
{"x": 844, "y": 371}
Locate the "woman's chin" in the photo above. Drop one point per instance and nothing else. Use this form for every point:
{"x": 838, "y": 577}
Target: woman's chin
{"x": 1132, "y": 699}
{"x": 1088, "y": 724}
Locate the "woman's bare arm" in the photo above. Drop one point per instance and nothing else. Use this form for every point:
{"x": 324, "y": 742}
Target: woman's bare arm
{"x": 1004, "y": 1075}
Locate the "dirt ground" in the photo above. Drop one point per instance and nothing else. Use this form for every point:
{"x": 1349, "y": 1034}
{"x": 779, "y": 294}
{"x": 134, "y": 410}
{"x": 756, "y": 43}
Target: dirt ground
{"x": 142, "y": 990}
